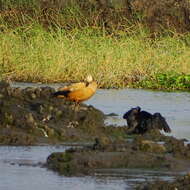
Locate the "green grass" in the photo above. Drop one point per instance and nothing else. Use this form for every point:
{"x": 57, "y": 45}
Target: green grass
{"x": 66, "y": 44}
{"x": 35, "y": 54}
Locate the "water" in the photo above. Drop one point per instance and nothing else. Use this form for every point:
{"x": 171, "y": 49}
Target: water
{"x": 18, "y": 172}
{"x": 17, "y": 164}
{"x": 174, "y": 106}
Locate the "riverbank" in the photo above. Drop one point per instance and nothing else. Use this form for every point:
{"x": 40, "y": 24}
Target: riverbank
{"x": 153, "y": 151}
{"x": 32, "y": 116}
{"x": 39, "y": 45}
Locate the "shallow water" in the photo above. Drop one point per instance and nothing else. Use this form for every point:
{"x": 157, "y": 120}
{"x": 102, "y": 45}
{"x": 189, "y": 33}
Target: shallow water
{"x": 174, "y": 106}
{"x": 18, "y": 170}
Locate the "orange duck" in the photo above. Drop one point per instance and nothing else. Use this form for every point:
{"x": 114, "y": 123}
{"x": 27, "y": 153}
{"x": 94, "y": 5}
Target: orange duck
{"x": 78, "y": 92}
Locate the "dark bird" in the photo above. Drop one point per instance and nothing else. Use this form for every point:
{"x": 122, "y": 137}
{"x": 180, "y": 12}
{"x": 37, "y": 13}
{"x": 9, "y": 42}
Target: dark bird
{"x": 140, "y": 122}
{"x": 96, "y": 145}
{"x": 159, "y": 122}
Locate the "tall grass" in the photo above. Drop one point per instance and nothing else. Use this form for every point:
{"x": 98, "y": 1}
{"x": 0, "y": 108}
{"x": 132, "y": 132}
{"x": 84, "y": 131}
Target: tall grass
{"x": 35, "y": 54}
{"x": 44, "y": 44}
{"x": 9, "y": 4}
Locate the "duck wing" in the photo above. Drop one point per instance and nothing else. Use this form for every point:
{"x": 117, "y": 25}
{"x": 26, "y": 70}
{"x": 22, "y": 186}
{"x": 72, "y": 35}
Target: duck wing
{"x": 62, "y": 94}
{"x": 81, "y": 94}
{"x": 159, "y": 122}
{"x": 72, "y": 87}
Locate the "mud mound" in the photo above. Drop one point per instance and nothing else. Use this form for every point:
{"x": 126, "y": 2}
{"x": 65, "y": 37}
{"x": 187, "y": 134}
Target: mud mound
{"x": 132, "y": 153}
{"x": 33, "y": 115}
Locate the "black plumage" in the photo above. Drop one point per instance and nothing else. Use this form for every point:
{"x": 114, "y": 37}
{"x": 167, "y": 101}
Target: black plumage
{"x": 140, "y": 122}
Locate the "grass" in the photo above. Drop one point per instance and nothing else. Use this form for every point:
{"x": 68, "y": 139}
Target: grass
{"x": 61, "y": 53}
{"x": 48, "y": 56}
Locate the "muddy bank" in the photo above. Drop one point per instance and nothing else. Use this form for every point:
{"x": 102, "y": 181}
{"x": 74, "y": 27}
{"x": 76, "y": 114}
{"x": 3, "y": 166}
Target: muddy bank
{"x": 181, "y": 183}
{"x": 32, "y": 116}
{"x": 142, "y": 151}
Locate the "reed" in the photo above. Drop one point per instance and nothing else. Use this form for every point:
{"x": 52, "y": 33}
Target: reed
{"x": 60, "y": 56}
{"x": 66, "y": 46}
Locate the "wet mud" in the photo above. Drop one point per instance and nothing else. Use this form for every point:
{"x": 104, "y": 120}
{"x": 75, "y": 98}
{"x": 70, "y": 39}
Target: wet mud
{"x": 142, "y": 151}
{"x": 32, "y": 116}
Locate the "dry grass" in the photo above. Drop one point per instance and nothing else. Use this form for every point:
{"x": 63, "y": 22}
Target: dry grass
{"x": 35, "y": 54}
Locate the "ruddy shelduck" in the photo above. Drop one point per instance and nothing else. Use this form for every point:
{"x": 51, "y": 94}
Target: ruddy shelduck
{"x": 78, "y": 92}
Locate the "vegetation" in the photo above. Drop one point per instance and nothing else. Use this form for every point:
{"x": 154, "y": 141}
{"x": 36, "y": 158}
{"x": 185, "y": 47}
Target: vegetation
{"x": 51, "y": 43}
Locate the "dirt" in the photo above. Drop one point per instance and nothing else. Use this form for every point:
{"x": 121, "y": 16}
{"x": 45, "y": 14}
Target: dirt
{"x": 142, "y": 151}
{"x": 32, "y": 116}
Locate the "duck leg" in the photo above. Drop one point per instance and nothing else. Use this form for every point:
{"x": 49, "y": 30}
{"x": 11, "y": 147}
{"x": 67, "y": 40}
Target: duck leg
{"x": 76, "y": 106}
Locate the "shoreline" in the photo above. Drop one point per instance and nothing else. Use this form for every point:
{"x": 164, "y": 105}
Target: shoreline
{"x": 25, "y": 84}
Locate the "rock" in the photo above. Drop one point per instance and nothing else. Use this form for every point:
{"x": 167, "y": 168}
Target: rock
{"x": 50, "y": 108}
{"x": 61, "y": 162}
{"x": 10, "y": 137}
{"x": 33, "y": 96}
{"x": 8, "y": 118}
{"x": 59, "y": 113}
{"x": 1, "y": 96}
{"x": 151, "y": 146}
{"x": 30, "y": 120}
